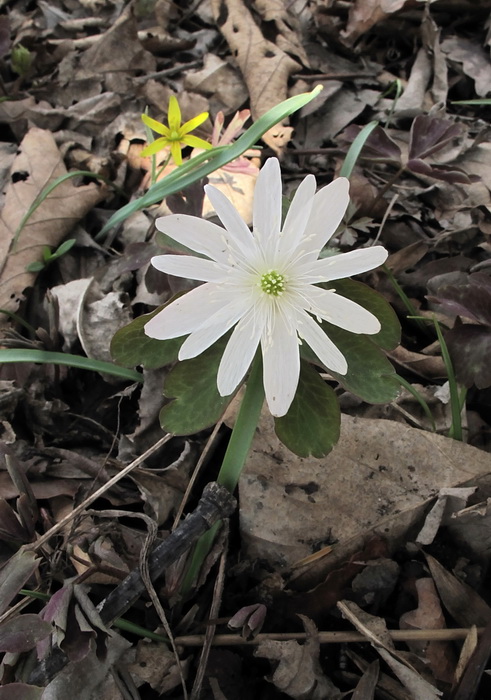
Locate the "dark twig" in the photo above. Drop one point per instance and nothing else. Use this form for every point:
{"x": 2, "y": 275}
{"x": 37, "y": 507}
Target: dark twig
{"x": 215, "y": 504}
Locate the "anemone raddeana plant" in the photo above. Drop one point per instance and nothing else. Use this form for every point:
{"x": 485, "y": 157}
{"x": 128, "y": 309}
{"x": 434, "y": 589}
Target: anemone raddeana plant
{"x": 272, "y": 307}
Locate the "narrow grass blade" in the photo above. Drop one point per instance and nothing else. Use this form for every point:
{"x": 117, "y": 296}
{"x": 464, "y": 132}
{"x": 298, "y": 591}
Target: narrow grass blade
{"x": 61, "y": 358}
{"x": 356, "y": 148}
{"x": 419, "y": 398}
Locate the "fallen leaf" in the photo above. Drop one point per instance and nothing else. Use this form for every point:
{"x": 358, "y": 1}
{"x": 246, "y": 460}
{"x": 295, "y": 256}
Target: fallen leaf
{"x": 438, "y": 655}
{"x": 39, "y": 163}
{"x": 265, "y": 67}
{"x": 474, "y": 59}
{"x": 18, "y": 569}
{"x": 375, "y": 630}
{"x": 290, "y": 505}
{"x": 463, "y": 603}
{"x": 297, "y": 672}
{"x": 22, "y": 633}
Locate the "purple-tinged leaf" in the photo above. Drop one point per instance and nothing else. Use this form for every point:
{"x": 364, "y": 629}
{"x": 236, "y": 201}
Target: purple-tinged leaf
{"x": 5, "y": 42}
{"x": 439, "y": 172}
{"x": 482, "y": 279}
{"x": 470, "y": 349}
{"x": 14, "y": 574}
{"x": 22, "y": 633}
{"x": 430, "y": 134}
{"x": 21, "y": 691}
{"x": 471, "y": 301}
{"x": 11, "y": 529}
{"x": 378, "y": 146}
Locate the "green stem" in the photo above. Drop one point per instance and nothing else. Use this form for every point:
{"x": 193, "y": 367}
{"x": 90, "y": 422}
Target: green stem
{"x": 244, "y": 428}
{"x": 233, "y": 462}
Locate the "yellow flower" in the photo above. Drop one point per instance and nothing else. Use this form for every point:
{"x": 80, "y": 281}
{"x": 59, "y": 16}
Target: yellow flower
{"x": 176, "y": 134}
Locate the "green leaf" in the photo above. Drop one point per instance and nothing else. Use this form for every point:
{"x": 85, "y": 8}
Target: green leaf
{"x": 389, "y": 336}
{"x": 370, "y": 374}
{"x": 63, "y": 248}
{"x": 130, "y": 346}
{"x": 192, "y": 384}
{"x": 35, "y": 266}
{"x": 311, "y": 426}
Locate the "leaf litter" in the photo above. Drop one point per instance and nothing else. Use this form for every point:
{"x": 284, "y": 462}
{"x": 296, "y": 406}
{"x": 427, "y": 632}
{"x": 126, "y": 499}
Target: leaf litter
{"x": 395, "y": 520}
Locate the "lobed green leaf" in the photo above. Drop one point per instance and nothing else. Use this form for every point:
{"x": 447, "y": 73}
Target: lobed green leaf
{"x": 131, "y": 347}
{"x": 192, "y": 386}
{"x": 389, "y": 335}
{"x": 311, "y": 426}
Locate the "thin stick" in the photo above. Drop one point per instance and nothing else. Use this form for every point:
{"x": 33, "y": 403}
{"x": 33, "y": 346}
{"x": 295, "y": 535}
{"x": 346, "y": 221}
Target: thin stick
{"x": 97, "y": 494}
{"x": 194, "y": 640}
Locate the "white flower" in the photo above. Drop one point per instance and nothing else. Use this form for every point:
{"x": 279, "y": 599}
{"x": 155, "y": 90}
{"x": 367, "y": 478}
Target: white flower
{"x": 264, "y": 284}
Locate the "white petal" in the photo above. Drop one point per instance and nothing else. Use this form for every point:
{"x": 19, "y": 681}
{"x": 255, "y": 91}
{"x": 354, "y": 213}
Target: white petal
{"x": 186, "y": 313}
{"x": 199, "y": 235}
{"x": 281, "y": 365}
{"x": 321, "y": 344}
{"x": 340, "y": 311}
{"x": 239, "y": 235}
{"x": 344, "y": 265}
{"x": 297, "y": 217}
{"x": 189, "y": 267}
{"x": 267, "y": 206}
{"x": 328, "y": 209}
{"x": 213, "y": 328}
{"x": 239, "y": 353}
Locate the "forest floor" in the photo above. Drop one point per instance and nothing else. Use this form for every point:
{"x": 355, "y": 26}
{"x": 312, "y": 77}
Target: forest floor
{"x": 363, "y": 573}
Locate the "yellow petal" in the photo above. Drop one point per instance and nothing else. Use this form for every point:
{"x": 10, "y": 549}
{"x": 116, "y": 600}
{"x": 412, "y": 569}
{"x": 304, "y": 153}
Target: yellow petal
{"x": 154, "y": 147}
{"x": 175, "y": 149}
{"x": 193, "y": 123}
{"x": 174, "y": 114}
{"x": 155, "y": 125}
{"x": 196, "y": 142}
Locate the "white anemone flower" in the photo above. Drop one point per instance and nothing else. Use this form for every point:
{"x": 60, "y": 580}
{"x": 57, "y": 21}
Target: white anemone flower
{"x": 264, "y": 283}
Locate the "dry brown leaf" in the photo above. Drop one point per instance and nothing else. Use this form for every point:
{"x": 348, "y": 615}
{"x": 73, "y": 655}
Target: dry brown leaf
{"x": 377, "y": 479}
{"x": 447, "y": 503}
{"x": 39, "y": 163}
{"x": 298, "y": 672}
{"x": 156, "y": 665}
{"x": 462, "y": 602}
{"x": 221, "y": 80}
{"x": 468, "y": 648}
{"x": 365, "y": 689}
{"x": 474, "y": 59}
{"x": 374, "y": 628}
{"x": 438, "y": 655}
{"x": 364, "y": 14}
{"x": 265, "y": 67}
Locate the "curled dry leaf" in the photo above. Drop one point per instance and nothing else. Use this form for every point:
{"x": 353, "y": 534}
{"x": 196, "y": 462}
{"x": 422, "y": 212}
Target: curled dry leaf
{"x": 438, "y": 655}
{"x": 298, "y": 672}
{"x": 39, "y": 163}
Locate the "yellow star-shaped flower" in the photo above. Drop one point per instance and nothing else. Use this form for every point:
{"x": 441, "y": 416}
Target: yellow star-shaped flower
{"x": 176, "y": 134}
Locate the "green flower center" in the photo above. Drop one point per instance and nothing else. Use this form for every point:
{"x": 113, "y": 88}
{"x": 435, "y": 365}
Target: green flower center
{"x": 174, "y": 136}
{"x": 272, "y": 282}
